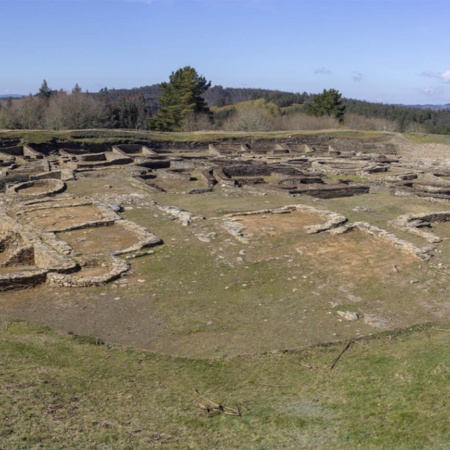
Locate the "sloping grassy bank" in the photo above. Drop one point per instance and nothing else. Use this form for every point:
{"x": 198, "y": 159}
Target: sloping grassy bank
{"x": 63, "y": 391}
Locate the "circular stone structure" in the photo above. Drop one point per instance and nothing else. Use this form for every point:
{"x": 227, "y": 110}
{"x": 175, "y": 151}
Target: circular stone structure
{"x": 37, "y": 188}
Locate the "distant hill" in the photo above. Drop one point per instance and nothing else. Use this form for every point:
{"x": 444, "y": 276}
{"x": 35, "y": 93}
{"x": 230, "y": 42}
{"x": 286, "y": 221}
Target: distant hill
{"x": 433, "y": 107}
{"x": 11, "y": 96}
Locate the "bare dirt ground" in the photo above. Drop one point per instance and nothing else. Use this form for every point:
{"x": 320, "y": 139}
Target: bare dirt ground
{"x": 65, "y": 217}
{"x": 276, "y": 224}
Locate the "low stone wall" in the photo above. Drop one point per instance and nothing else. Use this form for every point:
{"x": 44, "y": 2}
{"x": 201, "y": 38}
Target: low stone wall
{"x": 145, "y": 238}
{"x": 108, "y": 215}
{"x": 345, "y": 167}
{"x": 207, "y": 174}
{"x": 300, "y": 180}
{"x": 23, "y": 255}
{"x": 183, "y": 216}
{"x": 134, "y": 149}
{"x": 117, "y": 268}
{"x": 236, "y": 229}
{"x": 249, "y": 181}
{"x": 52, "y": 256}
{"x": 222, "y": 178}
{"x": 49, "y": 259}
{"x": 330, "y": 191}
{"x": 111, "y": 159}
{"x": 280, "y": 170}
{"x": 55, "y": 242}
{"x": 423, "y": 254}
{"x": 22, "y": 279}
{"x": 46, "y": 186}
{"x": 155, "y": 164}
{"x": 73, "y": 153}
{"x": 12, "y": 151}
{"x": 247, "y": 170}
{"x": 54, "y": 175}
{"x": 32, "y": 153}
{"x": 413, "y": 223}
{"x": 30, "y": 251}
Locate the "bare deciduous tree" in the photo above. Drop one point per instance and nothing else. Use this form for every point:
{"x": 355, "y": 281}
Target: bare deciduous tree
{"x": 75, "y": 111}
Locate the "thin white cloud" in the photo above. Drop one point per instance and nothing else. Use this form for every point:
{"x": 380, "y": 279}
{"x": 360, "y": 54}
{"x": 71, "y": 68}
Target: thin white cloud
{"x": 442, "y": 76}
{"x": 432, "y": 91}
{"x": 322, "y": 71}
{"x": 445, "y": 76}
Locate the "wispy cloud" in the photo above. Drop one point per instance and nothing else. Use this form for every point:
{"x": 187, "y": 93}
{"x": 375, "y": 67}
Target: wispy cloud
{"x": 442, "y": 76}
{"x": 432, "y": 91}
{"x": 322, "y": 71}
{"x": 357, "y": 76}
{"x": 445, "y": 76}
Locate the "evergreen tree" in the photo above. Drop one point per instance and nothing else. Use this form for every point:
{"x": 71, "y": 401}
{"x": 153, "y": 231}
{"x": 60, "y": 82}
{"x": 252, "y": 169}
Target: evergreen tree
{"x": 45, "y": 92}
{"x": 180, "y": 96}
{"x": 328, "y": 103}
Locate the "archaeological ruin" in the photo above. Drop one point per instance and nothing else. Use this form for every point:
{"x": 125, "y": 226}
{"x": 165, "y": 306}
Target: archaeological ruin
{"x": 48, "y": 235}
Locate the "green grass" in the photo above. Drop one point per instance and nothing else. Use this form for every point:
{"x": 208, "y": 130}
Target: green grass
{"x": 62, "y": 391}
{"x": 109, "y": 136}
{"x": 428, "y": 138}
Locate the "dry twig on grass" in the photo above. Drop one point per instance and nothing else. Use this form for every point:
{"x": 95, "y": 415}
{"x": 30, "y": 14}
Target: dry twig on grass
{"x": 211, "y": 408}
{"x": 343, "y": 351}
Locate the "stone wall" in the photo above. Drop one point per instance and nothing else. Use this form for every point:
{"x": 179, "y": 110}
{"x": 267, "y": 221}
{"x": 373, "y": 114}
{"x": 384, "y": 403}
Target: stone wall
{"x": 330, "y": 191}
{"x": 207, "y": 174}
{"x": 134, "y": 150}
{"x": 423, "y": 253}
{"x": 116, "y": 266}
{"x": 222, "y": 178}
{"x": 45, "y": 186}
{"x": 237, "y": 229}
{"x": 51, "y": 257}
{"x": 414, "y": 224}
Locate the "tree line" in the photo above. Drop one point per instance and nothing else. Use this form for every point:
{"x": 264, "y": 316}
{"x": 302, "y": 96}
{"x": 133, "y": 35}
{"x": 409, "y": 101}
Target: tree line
{"x": 188, "y": 102}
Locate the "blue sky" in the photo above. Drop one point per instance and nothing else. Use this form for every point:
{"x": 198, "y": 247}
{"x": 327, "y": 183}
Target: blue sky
{"x": 390, "y": 51}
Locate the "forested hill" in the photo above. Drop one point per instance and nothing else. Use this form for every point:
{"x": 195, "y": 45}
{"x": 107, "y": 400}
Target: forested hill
{"x": 220, "y": 96}
{"x": 133, "y": 108}
{"x": 215, "y": 96}
{"x": 434, "y": 119}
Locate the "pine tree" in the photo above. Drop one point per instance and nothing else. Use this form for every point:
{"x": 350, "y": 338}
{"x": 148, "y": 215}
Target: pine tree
{"x": 180, "y": 96}
{"x": 328, "y": 103}
{"x": 45, "y": 92}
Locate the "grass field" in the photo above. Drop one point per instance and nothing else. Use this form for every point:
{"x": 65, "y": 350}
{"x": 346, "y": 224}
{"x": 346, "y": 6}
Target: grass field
{"x": 124, "y": 136}
{"x": 387, "y": 392}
